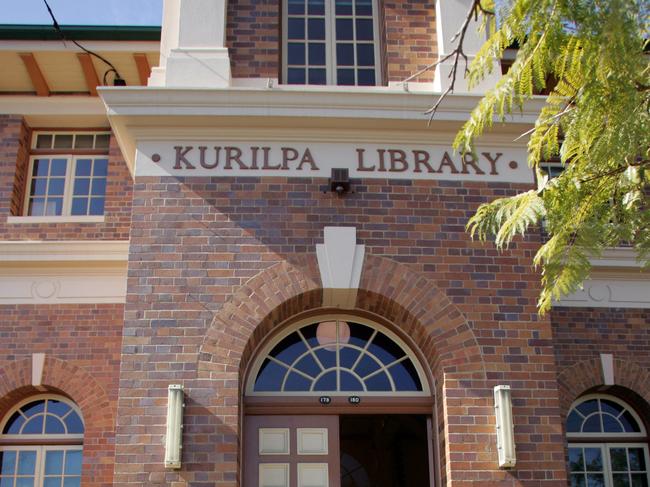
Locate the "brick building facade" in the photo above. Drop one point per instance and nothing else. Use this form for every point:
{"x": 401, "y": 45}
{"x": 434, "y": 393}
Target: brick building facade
{"x": 187, "y": 230}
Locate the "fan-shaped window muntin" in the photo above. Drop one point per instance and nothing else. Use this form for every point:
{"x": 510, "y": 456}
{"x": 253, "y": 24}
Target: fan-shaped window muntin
{"x": 41, "y": 443}
{"x": 603, "y": 416}
{"x": 337, "y": 355}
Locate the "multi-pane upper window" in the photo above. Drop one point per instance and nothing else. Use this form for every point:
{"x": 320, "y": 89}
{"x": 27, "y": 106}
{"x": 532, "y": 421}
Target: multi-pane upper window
{"x": 67, "y": 174}
{"x": 331, "y": 42}
{"x": 41, "y": 444}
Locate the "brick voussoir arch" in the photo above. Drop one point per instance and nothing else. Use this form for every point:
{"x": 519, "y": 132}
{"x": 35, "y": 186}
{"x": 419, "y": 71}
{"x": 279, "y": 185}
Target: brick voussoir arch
{"x": 582, "y": 376}
{"x": 388, "y": 289}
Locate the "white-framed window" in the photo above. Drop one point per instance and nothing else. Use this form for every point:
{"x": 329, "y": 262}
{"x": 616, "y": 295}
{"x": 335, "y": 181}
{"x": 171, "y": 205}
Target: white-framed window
{"x": 41, "y": 444}
{"x": 67, "y": 174}
{"x": 605, "y": 444}
{"x": 332, "y": 42}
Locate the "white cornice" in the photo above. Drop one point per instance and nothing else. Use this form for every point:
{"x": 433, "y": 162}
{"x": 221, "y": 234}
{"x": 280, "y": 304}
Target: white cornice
{"x": 103, "y": 46}
{"x": 31, "y": 251}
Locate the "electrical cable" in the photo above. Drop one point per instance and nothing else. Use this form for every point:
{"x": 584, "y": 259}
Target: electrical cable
{"x": 57, "y": 27}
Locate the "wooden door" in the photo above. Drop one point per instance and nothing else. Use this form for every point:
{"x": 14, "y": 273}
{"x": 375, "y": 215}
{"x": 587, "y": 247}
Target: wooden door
{"x": 291, "y": 451}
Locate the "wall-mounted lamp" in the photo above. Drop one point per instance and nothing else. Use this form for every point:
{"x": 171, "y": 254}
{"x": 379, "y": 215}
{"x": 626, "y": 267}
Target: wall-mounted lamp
{"x": 174, "y": 438}
{"x": 340, "y": 181}
{"x": 505, "y": 427}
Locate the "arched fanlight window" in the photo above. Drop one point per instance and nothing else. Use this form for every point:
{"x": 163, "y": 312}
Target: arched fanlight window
{"x": 337, "y": 355}
{"x": 607, "y": 444}
{"x": 40, "y": 444}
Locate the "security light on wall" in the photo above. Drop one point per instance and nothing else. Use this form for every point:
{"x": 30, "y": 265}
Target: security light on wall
{"x": 174, "y": 438}
{"x": 505, "y": 427}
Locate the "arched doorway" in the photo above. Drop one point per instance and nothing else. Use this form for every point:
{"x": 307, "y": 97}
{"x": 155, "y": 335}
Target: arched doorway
{"x": 337, "y": 401}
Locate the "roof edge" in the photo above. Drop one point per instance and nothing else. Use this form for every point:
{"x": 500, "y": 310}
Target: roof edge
{"x": 25, "y": 32}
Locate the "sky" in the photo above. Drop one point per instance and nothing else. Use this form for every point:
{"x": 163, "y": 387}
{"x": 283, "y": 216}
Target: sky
{"x": 82, "y": 12}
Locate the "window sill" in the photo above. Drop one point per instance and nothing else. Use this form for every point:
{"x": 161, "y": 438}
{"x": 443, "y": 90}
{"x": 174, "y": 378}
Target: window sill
{"x": 22, "y": 220}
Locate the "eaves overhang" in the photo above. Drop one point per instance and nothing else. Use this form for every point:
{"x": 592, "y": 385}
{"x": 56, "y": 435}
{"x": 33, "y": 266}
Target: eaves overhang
{"x": 145, "y": 113}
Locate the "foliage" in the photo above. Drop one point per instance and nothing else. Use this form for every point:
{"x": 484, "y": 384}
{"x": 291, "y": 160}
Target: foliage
{"x": 596, "y": 120}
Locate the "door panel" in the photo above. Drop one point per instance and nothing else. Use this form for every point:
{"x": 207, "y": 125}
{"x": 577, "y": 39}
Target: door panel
{"x": 291, "y": 451}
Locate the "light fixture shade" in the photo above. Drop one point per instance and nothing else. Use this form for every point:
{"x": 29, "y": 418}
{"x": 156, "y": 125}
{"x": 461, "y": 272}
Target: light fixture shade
{"x": 174, "y": 437}
{"x": 505, "y": 427}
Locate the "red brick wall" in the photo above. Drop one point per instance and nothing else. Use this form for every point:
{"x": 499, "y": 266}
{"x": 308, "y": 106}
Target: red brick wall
{"x": 14, "y": 143}
{"x": 223, "y": 260}
{"x": 82, "y": 348}
{"x": 407, "y": 38}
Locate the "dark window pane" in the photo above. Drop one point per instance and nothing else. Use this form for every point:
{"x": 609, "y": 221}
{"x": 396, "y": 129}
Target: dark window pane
{"x": 13, "y": 425}
{"x": 629, "y": 423}
{"x": 344, "y": 54}
{"x": 296, "y": 7}
{"x": 360, "y": 334}
{"x": 52, "y": 482}
{"x": 53, "y": 462}
{"x": 344, "y": 30}
{"x": 309, "y": 334}
{"x": 378, "y": 382}
{"x": 316, "y": 54}
{"x": 36, "y": 207}
{"x": 79, "y": 206}
{"x": 308, "y": 365}
{"x": 102, "y": 141}
{"x": 316, "y": 29}
{"x": 317, "y": 77}
{"x": 364, "y": 30}
{"x": 296, "y": 53}
{"x": 57, "y": 407}
{"x": 588, "y": 407}
{"x": 289, "y": 349}
{"x": 316, "y": 7}
{"x": 593, "y": 460}
{"x": 619, "y": 459}
{"x": 577, "y": 480}
{"x": 595, "y": 480}
{"x": 84, "y": 141}
{"x": 44, "y": 141}
{"x": 96, "y": 206}
{"x": 25, "y": 482}
{"x": 348, "y": 357}
{"x": 405, "y": 376}
{"x": 610, "y": 407}
{"x": 26, "y": 462}
{"x": 592, "y": 424}
{"x": 41, "y": 167}
{"x": 365, "y": 54}
{"x": 327, "y": 382}
{"x": 56, "y": 187}
{"x": 611, "y": 424}
{"x": 39, "y": 187}
{"x": 270, "y": 377}
{"x": 576, "y": 462}
{"x": 296, "y": 383}
{"x": 366, "y": 366}
{"x": 385, "y": 349}
{"x": 343, "y": 7}
{"x": 83, "y": 167}
{"x": 363, "y": 7}
{"x": 621, "y": 480}
{"x": 81, "y": 186}
{"x": 73, "y": 462}
{"x": 639, "y": 480}
{"x": 7, "y": 462}
{"x": 296, "y": 76}
{"x": 100, "y": 167}
{"x": 53, "y": 426}
{"x": 72, "y": 482}
{"x": 573, "y": 422}
{"x": 34, "y": 426}
{"x": 63, "y": 141}
{"x": 33, "y": 408}
{"x": 74, "y": 424}
{"x": 58, "y": 167}
{"x": 296, "y": 28}
{"x": 327, "y": 357}
{"x": 345, "y": 76}
{"x": 366, "y": 77}
{"x": 637, "y": 459}
{"x": 54, "y": 207}
{"x": 99, "y": 187}
{"x": 350, "y": 383}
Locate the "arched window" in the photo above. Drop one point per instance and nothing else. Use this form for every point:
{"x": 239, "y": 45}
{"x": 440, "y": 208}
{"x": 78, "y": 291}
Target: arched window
{"x": 41, "y": 444}
{"x": 607, "y": 444}
{"x": 337, "y": 356}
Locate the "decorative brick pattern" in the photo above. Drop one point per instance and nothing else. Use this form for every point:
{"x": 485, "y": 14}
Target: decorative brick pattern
{"x": 14, "y": 140}
{"x": 85, "y": 370}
